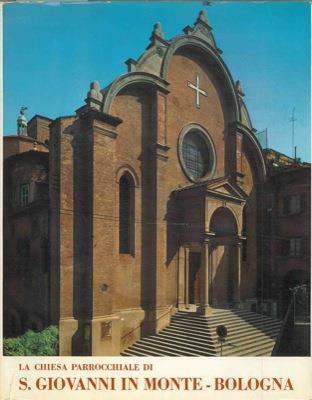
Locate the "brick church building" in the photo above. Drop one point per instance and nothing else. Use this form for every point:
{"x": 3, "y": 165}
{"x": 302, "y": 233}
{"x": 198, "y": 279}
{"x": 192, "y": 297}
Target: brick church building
{"x": 152, "y": 205}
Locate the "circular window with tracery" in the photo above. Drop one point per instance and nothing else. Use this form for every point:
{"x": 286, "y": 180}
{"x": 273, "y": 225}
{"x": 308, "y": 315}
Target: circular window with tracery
{"x": 196, "y": 153}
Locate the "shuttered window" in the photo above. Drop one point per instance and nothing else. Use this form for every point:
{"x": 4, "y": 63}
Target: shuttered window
{"x": 294, "y": 247}
{"x": 24, "y": 194}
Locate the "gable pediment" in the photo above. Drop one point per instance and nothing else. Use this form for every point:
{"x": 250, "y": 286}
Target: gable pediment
{"x": 226, "y": 188}
{"x": 223, "y": 188}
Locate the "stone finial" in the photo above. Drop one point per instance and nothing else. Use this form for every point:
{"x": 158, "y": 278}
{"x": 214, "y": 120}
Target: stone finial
{"x": 94, "y": 91}
{"x": 239, "y": 88}
{"x": 158, "y": 30}
{"x": 202, "y": 17}
{"x": 203, "y": 30}
{"x": 22, "y": 122}
{"x": 94, "y": 97}
{"x": 157, "y": 36}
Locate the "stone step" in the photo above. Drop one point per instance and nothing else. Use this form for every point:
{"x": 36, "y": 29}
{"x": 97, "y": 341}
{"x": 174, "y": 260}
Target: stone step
{"x": 244, "y": 317}
{"x": 250, "y": 319}
{"x": 135, "y": 353}
{"x": 237, "y": 330}
{"x": 190, "y": 334}
{"x": 131, "y": 352}
{"x": 247, "y": 346}
{"x": 251, "y": 322}
{"x": 211, "y": 332}
{"x": 216, "y": 317}
{"x": 163, "y": 349}
{"x": 155, "y": 352}
{"x": 260, "y": 350}
{"x": 201, "y": 319}
{"x": 254, "y": 350}
{"x": 181, "y": 346}
{"x": 199, "y": 324}
{"x": 184, "y": 351}
{"x": 215, "y": 314}
{"x": 187, "y": 338}
{"x": 249, "y": 336}
{"x": 268, "y": 331}
{"x": 196, "y": 334}
{"x": 236, "y": 312}
{"x": 228, "y": 322}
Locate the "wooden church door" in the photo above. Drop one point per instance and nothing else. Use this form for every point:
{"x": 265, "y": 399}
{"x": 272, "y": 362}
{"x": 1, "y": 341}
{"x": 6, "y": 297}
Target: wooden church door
{"x": 194, "y": 277}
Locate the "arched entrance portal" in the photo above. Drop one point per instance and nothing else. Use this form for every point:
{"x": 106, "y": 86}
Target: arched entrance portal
{"x": 225, "y": 261}
{"x": 210, "y": 254}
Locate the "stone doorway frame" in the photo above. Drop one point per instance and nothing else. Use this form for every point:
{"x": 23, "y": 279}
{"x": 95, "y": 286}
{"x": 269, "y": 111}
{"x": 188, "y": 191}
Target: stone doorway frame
{"x": 206, "y": 250}
{"x": 187, "y": 249}
{"x": 206, "y": 199}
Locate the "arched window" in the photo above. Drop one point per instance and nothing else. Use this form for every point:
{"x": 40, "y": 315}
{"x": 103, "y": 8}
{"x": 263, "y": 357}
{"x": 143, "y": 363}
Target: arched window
{"x": 126, "y": 214}
{"x": 223, "y": 222}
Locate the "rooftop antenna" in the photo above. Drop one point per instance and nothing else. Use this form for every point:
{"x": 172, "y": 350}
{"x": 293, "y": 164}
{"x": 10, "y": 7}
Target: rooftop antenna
{"x": 295, "y": 152}
{"x": 292, "y": 120}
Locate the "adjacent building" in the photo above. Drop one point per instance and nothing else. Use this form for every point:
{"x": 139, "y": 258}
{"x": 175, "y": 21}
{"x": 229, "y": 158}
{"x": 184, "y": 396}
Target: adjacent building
{"x": 286, "y": 222}
{"x": 26, "y": 266}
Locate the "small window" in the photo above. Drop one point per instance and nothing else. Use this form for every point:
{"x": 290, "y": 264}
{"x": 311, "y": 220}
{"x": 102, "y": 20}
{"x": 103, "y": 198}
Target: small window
{"x": 293, "y": 247}
{"x": 24, "y": 194}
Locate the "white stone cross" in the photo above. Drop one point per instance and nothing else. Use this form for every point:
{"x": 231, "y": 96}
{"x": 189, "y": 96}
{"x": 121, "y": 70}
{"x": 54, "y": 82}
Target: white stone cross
{"x": 198, "y": 90}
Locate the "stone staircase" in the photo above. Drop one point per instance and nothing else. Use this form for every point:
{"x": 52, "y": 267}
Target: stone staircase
{"x": 190, "y": 334}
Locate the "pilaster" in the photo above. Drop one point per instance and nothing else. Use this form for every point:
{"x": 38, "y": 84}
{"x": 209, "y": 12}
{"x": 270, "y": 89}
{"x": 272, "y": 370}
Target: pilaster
{"x": 237, "y": 294}
{"x": 205, "y": 270}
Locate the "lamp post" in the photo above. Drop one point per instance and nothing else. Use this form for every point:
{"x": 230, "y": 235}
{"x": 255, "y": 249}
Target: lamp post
{"x": 221, "y": 331}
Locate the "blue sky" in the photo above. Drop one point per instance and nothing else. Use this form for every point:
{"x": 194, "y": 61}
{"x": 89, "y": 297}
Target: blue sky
{"x": 53, "y": 52}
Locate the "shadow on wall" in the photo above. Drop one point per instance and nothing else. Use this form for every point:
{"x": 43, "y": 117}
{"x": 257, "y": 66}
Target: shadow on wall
{"x": 83, "y": 240}
{"x": 174, "y": 229}
{"x": 148, "y": 211}
{"x": 223, "y": 284}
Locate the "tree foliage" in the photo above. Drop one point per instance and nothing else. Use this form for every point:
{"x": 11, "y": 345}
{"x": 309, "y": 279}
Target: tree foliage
{"x": 32, "y": 343}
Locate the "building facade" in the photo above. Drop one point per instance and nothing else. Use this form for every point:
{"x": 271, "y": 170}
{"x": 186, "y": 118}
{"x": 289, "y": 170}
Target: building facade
{"x": 152, "y": 204}
{"x": 149, "y": 181}
{"x": 286, "y": 227}
{"x": 26, "y": 267}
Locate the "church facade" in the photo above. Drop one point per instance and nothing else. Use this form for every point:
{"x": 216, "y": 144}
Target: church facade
{"x": 153, "y": 197}
{"x": 153, "y": 206}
